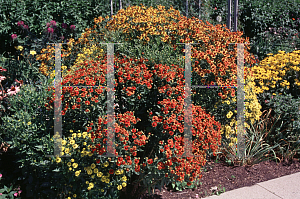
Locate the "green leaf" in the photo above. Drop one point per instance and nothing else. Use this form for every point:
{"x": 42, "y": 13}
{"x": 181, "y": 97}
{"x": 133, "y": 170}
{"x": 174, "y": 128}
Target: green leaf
{"x": 173, "y": 185}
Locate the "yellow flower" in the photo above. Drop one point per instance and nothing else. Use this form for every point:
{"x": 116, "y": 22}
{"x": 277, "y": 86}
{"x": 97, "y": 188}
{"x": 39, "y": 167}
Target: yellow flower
{"x": 74, "y": 195}
{"x": 106, "y": 164}
{"x": 29, "y": 123}
{"x": 77, "y": 173}
{"x": 99, "y": 174}
{"x": 70, "y": 169}
{"x": 119, "y": 187}
{"x": 72, "y": 142}
{"x": 229, "y": 114}
{"x": 67, "y": 150}
{"x": 75, "y": 146}
{"x": 72, "y": 160}
{"x": 87, "y": 182}
{"x": 32, "y": 52}
{"x": 124, "y": 178}
{"x": 63, "y": 142}
{"x": 84, "y": 143}
{"x": 90, "y": 172}
{"x": 124, "y": 184}
{"x": 20, "y": 48}
{"x": 95, "y": 170}
{"x": 74, "y": 135}
{"x": 102, "y": 190}
{"x": 79, "y": 135}
{"x": 91, "y": 185}
{"x": 69, "y": 197}
{"x": 58, "y": 159}
{"x": 71, "y": 131}
{"x": 69, "y": 164}
{"x": 93, "y": 166}
{"x": 75, "y": 165}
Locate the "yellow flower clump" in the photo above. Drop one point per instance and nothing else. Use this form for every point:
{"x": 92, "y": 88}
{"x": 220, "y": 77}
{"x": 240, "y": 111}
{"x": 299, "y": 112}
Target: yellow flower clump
{"x": 272, "y": 72}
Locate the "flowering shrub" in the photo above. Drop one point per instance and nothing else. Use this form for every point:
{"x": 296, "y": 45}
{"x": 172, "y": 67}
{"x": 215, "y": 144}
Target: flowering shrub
{"x": 277, "y": 85}
{"x": 154, "y": 85}
{"x": 171, "y": 28}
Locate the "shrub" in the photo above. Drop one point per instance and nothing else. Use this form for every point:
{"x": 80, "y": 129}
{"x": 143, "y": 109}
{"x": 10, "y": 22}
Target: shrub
{"x": 257, "y": 17}
{"x": 152, "y": 85}
{"x": 28, "y": 129}
{"x": 277, "y": 86}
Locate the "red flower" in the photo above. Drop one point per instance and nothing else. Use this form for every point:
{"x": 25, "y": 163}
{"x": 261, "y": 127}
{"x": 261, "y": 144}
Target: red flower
{"x": 137, "y": 168}
{"x": 97, "y": 161}
{"x": 150, "y": 161}
{"x": 126, "y": 148}
{"x": 154, "y": 124}
{"x": 111, "y": 171}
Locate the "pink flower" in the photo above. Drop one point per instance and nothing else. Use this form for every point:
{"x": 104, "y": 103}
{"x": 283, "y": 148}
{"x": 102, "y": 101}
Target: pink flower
{"x": 0, "y": 194}
{"x": 13, "y": 36}
{"x": 0, "y": 175}
{"x": 50, "y": 30}
{"x": 2, "y": 78}
{"x": 2, "y": 69}
{"x": 13, "y": 90}
{"x": 72, "y": 27}
{"x": 16, "y": 194}
{"x": 20, "y": 191}
{"x": 48, "y": 25}
{"x": 20, "y": 23}
{"x": 53, "y": 23}
{"x": 1, "y": 98}
{"x": 215, "y": 8}
{"x": 64, "y": 25}
{"x": 20, "y": 82}
{"x": 25, "y": 27}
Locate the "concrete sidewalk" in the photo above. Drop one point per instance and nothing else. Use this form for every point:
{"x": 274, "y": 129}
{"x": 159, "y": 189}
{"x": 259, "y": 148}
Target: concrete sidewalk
{"x": 286, "y": 187}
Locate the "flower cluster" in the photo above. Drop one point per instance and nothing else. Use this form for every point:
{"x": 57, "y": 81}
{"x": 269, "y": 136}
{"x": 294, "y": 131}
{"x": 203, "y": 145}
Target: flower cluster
{"x": 277, "y": 71}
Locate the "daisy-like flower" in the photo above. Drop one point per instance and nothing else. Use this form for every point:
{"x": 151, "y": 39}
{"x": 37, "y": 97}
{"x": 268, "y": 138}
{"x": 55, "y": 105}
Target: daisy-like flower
{"x": 32, "y": 52}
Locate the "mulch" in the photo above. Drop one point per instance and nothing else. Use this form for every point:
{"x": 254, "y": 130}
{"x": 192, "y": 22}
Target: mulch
{"x": 219, "y": 175}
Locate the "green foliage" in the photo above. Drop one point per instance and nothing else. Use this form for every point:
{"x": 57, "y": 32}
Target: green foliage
{"x": 180, "y": 186}
{"x": 37, "y": 13}
{"x": 28, "y": 129}
{"x": 286, "y": 109}
{"x": 256, "y": 149}
{"x": 258, "y": 16}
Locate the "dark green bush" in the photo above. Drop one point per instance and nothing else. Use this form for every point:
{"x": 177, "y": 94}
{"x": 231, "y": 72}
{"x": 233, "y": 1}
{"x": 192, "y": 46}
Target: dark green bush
{"x": 286, "y": 130}
{"x": 257, "y": 17}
